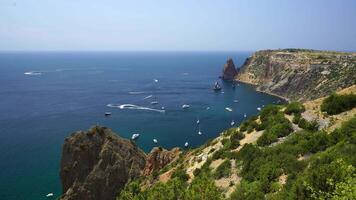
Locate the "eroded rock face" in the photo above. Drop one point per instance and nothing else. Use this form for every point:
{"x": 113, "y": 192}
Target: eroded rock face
{"x": 97, "y": 164}
{"x": 299, "y": 74}
{"x": 229, "y": 70}
{"x": 158, "y": 158}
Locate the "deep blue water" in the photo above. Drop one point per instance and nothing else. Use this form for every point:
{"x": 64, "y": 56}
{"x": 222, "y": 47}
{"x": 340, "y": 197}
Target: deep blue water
{"x": 38, "y": 111}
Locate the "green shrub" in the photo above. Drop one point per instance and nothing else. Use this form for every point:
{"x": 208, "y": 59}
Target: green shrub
{"x": 266, "y": 139}
{"x": 196, "y": 172}
{"x": 294, "y": 108}
{"x": 311, "y": 126}
{"x": 336, "y": 104}
{"x": 180, "y": 174}
{"x": 296, "y": 118}
{"x": 223, "y": 170}
{"x": 248, "y": 191}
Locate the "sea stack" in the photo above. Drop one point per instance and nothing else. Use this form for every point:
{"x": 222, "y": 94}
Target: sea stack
{"x": 229, "y": 70}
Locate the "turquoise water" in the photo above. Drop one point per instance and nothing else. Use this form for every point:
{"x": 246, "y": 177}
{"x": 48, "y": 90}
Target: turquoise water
{"x": 70, "y": 91}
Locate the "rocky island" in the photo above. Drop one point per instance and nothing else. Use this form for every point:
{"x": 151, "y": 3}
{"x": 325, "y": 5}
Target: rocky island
{"x": 229, "y": 70}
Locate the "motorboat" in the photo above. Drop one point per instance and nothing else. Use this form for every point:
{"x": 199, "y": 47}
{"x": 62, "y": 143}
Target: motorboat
{"x": 185, "y": 106}
{"x": 135, "y": 136}
{"x": 228, "y": 109}
{"x": 232, "y": 123}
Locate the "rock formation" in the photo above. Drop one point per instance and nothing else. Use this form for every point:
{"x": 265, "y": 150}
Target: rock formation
{"x": 158, "y": 158}
{"x": 229, "y": 70}
{"x": 299, "y": 74}
{"x": 97, "y": 164}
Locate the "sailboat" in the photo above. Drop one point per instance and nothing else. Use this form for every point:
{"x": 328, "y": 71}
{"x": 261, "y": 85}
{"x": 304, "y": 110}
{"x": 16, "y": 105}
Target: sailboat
{"x": 217, "y": 86}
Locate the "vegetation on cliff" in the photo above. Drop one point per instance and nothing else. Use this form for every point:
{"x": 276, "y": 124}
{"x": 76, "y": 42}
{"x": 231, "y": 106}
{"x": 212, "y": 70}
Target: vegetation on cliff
{"x": 336, "y": 104}
{"x": 245, "y": 163}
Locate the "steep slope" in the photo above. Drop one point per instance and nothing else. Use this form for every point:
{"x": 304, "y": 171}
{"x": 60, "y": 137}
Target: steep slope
{"x": 280, "y": 154}
{"x": 96, "y": 164}
{"x": 298, "y": 74}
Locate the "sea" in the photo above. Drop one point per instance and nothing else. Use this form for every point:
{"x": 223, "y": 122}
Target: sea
{"x": 46, "y": 96}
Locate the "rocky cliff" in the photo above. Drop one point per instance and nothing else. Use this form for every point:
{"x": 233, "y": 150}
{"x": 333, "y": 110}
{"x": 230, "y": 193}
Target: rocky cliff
{"x": 299, "y": 74}
{"x": 229, "y": 70}
{"x": 158, "y": 158}
{"x": 96, "y": 164}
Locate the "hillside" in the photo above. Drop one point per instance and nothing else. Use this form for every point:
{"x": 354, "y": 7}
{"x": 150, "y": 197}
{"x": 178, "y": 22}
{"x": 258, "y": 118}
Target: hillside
{"x": 281, "y": 154}
{"x": 299, "y": 74}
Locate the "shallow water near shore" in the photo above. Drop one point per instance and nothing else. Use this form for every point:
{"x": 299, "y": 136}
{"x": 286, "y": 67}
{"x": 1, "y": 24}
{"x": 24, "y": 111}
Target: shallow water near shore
{"x": 45, "y": 96}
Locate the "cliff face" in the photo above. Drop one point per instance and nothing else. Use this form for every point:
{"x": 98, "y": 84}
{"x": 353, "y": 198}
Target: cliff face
{"x": 229, "y": 70}
{"x": 158, "y": 158}
{"x": 299, "y": 74}
{"x": 97, "y": 164}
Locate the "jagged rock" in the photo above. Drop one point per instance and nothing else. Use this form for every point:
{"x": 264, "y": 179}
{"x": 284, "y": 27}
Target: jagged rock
{"x": 299, "y": 74}
{"x": 229, "y": 70}
{"x": 97, "y": 164}
{"x": 158, "y": 158}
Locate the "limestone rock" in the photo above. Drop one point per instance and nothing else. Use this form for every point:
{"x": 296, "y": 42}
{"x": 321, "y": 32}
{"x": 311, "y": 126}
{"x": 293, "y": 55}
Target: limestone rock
{"x": 158, "y": 158}
{"x": 96, "y": 164}
{"x": 229, "y": 70}
{"x": 299, "y": 74}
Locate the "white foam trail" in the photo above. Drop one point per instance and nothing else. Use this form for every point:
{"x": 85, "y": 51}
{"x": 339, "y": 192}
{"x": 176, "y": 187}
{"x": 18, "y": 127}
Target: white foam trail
{"x": 33, "y": 73}
{"x": 136, "y": 92}
{"x": 133, "y": 107}
{"x": 149, "y": 96}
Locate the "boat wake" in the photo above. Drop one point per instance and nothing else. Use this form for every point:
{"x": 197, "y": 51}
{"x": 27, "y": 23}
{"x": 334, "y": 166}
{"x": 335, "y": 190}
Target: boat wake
{"x": 149, "y": 96}
{"x": 133, "y": 107}
{"x": 136, "y": 92}
{"x": 33, "y": 73}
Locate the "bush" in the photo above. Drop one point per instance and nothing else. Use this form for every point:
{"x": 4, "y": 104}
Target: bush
{"x": 224, "y": 170}
{"x": 311, "y": 126}
{"x": 180, "y": 174}
{"x": 196, "y": 172}
{"x": 266, "y": 139}
{"x": 281, "y": 130}
{"x": 296, "y": 118}
{"x": 336, "y": 104}
{"x": 294, "y": 108}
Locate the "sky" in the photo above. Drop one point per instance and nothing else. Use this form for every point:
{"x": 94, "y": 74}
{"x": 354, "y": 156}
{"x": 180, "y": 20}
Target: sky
{"x": 181, "y": 25}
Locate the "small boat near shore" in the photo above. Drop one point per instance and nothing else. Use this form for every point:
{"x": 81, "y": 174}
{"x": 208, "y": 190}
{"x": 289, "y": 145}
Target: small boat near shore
{"x": 259, "y": 108}
{"x": 135, "y": 136}
{"x": 155, "y": 141}
{"x": 232, "y": 123}
{"x": 186, "y": 144}
{"x": 49, "y": 195}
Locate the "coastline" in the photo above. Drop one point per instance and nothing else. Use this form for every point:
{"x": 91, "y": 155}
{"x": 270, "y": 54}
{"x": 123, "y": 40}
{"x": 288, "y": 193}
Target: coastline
{"x": 265, "y": 92}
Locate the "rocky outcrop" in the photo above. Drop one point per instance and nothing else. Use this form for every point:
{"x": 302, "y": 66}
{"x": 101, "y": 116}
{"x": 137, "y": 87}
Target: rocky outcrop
{"x": 299, "y": 74}
{"x": 158, "y": 158}
{"x": 229, "y": 70}
{"x": 97, "y": 164}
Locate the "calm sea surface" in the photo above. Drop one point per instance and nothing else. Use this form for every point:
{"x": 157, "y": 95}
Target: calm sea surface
{"x": 67, "y": 91}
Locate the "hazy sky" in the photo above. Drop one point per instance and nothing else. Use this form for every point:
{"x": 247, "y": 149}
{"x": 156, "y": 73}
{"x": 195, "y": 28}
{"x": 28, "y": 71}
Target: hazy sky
{"x": 177, "y": 25}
